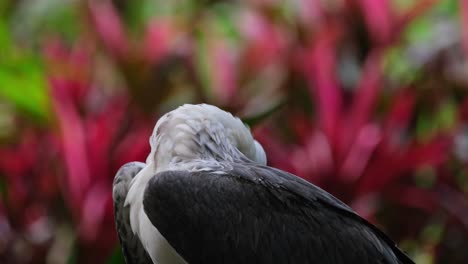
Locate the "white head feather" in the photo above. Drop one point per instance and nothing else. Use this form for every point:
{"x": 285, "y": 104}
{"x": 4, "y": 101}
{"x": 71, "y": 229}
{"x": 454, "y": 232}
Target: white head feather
{"x": 194, "y": 138}
{"x": 201, "y": 132}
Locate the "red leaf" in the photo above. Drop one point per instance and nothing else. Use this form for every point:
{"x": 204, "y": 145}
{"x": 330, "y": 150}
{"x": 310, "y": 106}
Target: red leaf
{"x": 266, "y": 43}
{"x": 5, "y": 228}
{"x": 224, "y": 68}
{"x": 17, "y": 160}
{"x": 310, "y": 12}
{"x": 277, "y": 153}
{"x": 365, "y": 206}
{"x": 319, "y": 66}
{"x": 101, "y": 132}
{"x": 94, "y": 212}
{"x": 463, "y": 112}
{"x": 400, "y": 113}
{"x": 430, "y": 154}
{"x": 383, "y": 167}
{"x": 388, "y": 167}
{"x": 109, "y": 27}
{"x": 360, "y": 152}
{"x": 315, "y": 161}
{"x": 72, "y": 65}
{"x": 379, "y": 19}
{"x": 301, "y": 125}
{"x": 464, "y": 25}
{"x": 364, "y": 100}
{"x": 74, "y": 141}
{"x": 414, "y": 197}
{"x": 159, "y": 38}
{"x": 134, "y": 147}
{"x": 454, "y": 202}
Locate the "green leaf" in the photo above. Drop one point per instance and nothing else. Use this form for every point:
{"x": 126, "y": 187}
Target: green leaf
{"x": 225, "y": 22}
{"x": 24, "y": 85}
{"x": 22, "y": 81}
{"x": 431, "y": 123}
{"x": 117, "y": 256}
{"x": 424, "y": 126}
{"x": 398, "y": 68}
{"x": 260, "y": 116}
{"x": 447, "y": 115}
{"x": 3, "y": 187}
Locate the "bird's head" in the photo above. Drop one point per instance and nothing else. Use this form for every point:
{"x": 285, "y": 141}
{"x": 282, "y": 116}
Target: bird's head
{"x": 201, "y": 132}
{"x": 191, "y": 137}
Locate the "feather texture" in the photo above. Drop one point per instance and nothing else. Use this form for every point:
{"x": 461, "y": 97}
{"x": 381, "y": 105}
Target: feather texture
{"x": 258, "y": 214}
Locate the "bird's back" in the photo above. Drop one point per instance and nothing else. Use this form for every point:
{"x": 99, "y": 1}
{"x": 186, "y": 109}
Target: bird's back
{"x": 258, "y": 214}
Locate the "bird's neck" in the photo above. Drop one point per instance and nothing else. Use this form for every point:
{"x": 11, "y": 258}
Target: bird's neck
{"x": 180, "y": 150}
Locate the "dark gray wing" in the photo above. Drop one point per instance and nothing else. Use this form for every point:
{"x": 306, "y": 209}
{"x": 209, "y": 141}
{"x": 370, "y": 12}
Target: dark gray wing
{"x": 258, "y": 214}
{"x": 132, "y": 248}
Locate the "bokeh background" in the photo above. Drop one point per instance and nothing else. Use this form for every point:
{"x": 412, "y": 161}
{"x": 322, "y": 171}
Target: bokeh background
{"x": 364, "y": 98}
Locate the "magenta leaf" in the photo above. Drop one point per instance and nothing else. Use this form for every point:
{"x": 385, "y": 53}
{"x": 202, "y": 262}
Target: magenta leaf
{"x": 109, "y": 27}
{"x": 74, "y": 141}
{"x": 319, "y": 67}
{"x": 379, "y": 19}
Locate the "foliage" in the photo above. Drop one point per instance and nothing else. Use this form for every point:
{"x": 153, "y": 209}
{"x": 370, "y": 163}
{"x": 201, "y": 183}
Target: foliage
{"x": 366, "y": 99}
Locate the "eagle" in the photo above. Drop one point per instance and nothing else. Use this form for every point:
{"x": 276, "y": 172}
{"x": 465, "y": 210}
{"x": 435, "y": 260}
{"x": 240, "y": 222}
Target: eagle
{"x": 206, "y": 195}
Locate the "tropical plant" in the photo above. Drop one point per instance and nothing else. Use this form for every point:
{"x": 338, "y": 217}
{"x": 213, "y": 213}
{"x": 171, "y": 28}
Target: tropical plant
{"x": 366, "y": 99}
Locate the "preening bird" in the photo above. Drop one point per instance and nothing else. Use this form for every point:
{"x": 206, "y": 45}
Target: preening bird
{"x": 206, "y": 195}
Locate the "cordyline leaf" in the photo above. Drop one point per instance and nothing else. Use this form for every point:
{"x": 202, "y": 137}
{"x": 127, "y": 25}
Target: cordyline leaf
{"x": 430, "y": 154}
{"x": 116, "y": 256}
{"x": 319, "y": 67}
{"x": 414, "y": 12}
{"x": 414, "y": 197}
{"x": 25, "y": 88}
{"x": 224, "y": 72}
{"x": 310, "y": 12}
{"x": 159, "y": 38}
{"x": 380, "y": 172}
{"x": 5, "y": 228}
{"x": 454, "y": 202}
{"x": 18, "y": 159}
{"x": 400, "y": 113}
{"x": 265, "y": 41}
{"x": 379, "y": 19}
{"x": 133, "y": 147}
{"x": 71, "y": 64}
{"x": 463, "y": 110}
{"x": 389, "y": 166}
{"x": 3, "y": 189}
{"x": 109, "y": 27}
{"x": 365, "y": 99}
{"x": 301, "y": 125}
{"x": 74, "y": 141}
{"x": 94, "y": 211}
{"x": 257, "y": 118}
{"x": 101, "y": 133}
{"x": 317, "y": 157}
{"x": 360, "y": 152}
{"x": 277, "y": 153}
{"x": 366, "y": 206}
{"x": 22, "y": 79}
{"x": 464, "y": 25}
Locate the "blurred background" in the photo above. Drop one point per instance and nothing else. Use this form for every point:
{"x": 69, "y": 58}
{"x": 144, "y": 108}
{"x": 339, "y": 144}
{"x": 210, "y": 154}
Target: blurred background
{"x": 364, "y": 98}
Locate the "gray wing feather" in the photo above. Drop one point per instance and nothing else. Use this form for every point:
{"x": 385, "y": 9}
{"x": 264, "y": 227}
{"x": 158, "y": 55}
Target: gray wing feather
{"x": 132, "y": 249}
{"x": 258, "y": 214}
